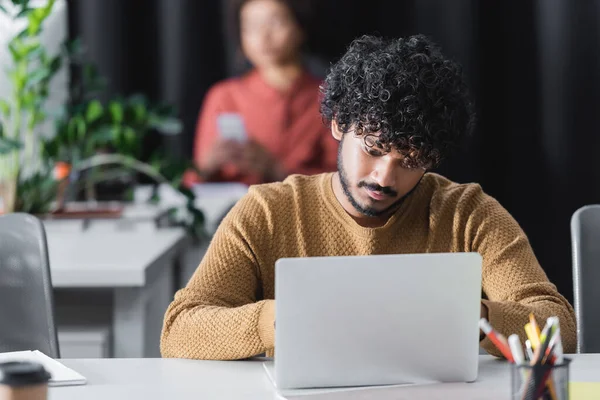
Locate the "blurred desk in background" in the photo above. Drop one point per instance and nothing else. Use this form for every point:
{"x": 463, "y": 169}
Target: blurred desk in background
{"x": 132, "y": 269}
{"x": 114, "y": 278}
{"x": 213, "y": 199}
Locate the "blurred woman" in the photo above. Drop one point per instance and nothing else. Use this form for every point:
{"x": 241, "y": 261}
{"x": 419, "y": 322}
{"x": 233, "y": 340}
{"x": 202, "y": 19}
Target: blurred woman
{"x": 266, "y": 124}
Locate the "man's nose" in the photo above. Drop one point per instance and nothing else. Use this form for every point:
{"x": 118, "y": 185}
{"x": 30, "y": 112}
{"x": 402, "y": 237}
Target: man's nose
{"x": 384, "y": 173}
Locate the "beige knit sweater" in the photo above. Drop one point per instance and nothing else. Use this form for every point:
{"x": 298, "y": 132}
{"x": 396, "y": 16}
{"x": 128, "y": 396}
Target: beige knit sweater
{"x": 226, "y": 311}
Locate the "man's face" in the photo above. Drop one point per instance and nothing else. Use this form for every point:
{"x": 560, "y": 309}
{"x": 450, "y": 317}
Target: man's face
{"x": 374, "y": 182}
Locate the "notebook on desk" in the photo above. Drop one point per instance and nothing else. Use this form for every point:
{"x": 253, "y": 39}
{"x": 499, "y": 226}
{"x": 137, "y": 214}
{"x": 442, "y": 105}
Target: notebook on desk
{"x": 60, "y": 374}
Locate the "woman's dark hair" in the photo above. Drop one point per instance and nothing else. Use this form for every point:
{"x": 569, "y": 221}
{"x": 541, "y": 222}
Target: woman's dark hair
{"x": 406, "y": 91}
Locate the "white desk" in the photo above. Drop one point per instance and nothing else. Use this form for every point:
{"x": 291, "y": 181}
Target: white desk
{"x": 117, "y": 379}
{"x": 137, "y": 264}
{"x": 213, "y": 199}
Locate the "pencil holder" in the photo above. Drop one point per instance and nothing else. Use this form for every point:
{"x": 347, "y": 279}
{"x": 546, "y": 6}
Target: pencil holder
{"x": 540, "y": 382}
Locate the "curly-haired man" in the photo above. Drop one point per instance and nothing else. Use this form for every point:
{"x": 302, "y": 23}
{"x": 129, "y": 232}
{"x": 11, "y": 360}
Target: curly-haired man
{"x": 397, "y": 109}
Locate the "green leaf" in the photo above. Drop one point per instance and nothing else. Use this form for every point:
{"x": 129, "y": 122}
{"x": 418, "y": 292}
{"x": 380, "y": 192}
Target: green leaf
{"x": 26, "y": 10}
{"x": 38, "y": 116}
{"x": 94, "y": 111}
{"x": 140, "y": 113}
{"x": 73, "y": 47}
{"x": 5, "y": 108}
{"x": 167, "y": 126}
{"x": 35, "y": 54}
{"x": 129, "y": 136}
{"x": 14, "y": 50}
{"x": 8, "y": 145}
{"x": 106, "y": 134}
{"x": 24, "y": 33}
{"x": 48, "y": 8}
{"x": 81, "y": 128}
{"x": 116, "y": 111}
{"x": 34, "y": 25}
{"x": 71, "y": 136}
{"x": 90, "y": 72}
{"x": 27, "y": 99}
{"x": 54, "y": 64}
{"x": 37, "y": 16}
{"x": 38, "y": 75}
{"x": 18, "y": 76}
{"x": 2, "y": 9}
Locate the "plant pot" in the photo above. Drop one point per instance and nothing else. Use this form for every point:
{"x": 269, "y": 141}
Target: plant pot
{"x": 8, "y": 195}
{"x": 61, "y": 174}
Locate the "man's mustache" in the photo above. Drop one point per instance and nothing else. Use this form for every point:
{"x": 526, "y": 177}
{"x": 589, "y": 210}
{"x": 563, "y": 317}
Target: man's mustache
{"x": 388, "y": 191}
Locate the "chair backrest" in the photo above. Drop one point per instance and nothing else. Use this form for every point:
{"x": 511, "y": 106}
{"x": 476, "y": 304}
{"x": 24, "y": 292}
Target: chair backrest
{"x": 26, "y": 300}
{"x": 585, "y": 246}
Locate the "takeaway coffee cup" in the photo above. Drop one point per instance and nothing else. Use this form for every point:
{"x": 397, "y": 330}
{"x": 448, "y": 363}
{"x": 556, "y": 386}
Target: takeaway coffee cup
{"x": 23, "y": 380}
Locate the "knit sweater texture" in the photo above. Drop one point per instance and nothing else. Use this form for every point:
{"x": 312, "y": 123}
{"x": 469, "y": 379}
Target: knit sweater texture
{"x": 227, "y": 309}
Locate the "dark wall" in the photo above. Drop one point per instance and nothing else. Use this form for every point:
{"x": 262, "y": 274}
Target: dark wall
{"x": 533, "y": 68}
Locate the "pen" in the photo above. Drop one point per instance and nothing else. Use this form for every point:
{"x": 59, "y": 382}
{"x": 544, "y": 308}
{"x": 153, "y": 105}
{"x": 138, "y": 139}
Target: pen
{"x": 497, "y": 338}
{"x": 529, "y": 349}
{"x": 534, "y": 324}
{"x": 558, "y": 350}
{"x": 540, "y": 357}
{"x": 558, "y": 354}
{"x": 516, "y": 349}
{"x": 517, "y": 352}
{"x": 544, "y": 341}
{"x": 532, "y": 335}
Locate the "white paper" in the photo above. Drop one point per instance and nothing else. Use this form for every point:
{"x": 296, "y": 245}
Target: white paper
{"x": 60, "y": 374}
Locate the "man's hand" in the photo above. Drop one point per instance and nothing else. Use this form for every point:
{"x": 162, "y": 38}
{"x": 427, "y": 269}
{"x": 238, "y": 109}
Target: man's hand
{"x": 257, "y": 159}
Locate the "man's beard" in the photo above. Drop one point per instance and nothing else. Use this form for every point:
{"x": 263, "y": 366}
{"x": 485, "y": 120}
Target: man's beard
{"x": 367, "y": 211}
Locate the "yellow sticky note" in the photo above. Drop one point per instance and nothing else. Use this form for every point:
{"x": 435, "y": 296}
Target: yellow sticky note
{"x": 584, "y": 390}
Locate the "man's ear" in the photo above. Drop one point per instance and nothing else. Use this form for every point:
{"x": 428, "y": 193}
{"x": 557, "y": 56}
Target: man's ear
{"x": 336, "y": 131}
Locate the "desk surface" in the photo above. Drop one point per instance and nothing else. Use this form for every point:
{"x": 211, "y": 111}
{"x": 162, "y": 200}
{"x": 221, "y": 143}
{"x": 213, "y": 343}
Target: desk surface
{"x": 117, "y": 379}
{"x": 106, "y": 256}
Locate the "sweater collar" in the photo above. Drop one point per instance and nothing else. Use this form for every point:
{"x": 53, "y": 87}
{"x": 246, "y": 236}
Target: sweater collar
{"x": 340, "y": 213}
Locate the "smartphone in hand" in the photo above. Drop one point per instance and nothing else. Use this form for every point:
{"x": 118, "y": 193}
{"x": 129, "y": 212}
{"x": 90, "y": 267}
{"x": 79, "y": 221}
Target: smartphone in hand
{"x": 231, "y": 127}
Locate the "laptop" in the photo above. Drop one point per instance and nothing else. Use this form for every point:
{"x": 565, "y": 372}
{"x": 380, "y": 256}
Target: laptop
{"x": 376, "y": 320}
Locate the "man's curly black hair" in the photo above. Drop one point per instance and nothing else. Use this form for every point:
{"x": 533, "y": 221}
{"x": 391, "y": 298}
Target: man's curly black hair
{"x": 406, "y": 91}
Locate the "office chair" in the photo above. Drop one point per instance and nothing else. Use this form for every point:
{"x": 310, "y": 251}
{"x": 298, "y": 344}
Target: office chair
{"x": 26, "y": 300}
{"x": 585, "y": 246}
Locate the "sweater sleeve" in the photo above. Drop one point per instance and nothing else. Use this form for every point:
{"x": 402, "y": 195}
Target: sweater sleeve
{"x": 219, "y": 314}
{"x": 513, "y": 282}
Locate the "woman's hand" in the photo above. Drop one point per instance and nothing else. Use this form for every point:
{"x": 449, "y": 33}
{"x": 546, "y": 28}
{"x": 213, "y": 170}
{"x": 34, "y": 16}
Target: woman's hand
{"x": 222, "y": 152}
{"x": 257, "y": 159}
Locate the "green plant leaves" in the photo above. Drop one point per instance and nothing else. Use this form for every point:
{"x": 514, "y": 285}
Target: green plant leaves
{"x": 8, "y": 145}
{"x": 36, "y": 17}
{"x": 36, "y": 193}
{"x": 116, "y": 111}
{"x": 94, "y": 111}
{"x": 5, "y": 108}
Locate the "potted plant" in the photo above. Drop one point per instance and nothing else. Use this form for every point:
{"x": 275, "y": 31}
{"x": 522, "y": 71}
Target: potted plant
{"x": 92, "y": 141}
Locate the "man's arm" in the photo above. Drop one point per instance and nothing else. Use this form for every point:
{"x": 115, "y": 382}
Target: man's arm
{"x": 218, "y": 315}
{"x": 513, "y": 281}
